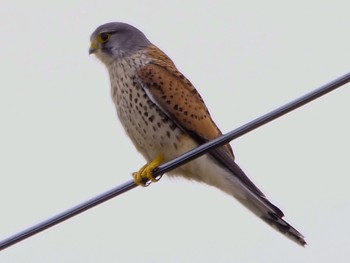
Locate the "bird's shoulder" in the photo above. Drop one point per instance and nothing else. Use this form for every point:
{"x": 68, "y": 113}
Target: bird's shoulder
{"x": 166, "y": 67}
{"x": 177, "y": 97}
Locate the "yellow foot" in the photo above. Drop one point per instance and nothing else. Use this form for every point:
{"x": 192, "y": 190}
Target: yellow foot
{"x": 144, "y": 176}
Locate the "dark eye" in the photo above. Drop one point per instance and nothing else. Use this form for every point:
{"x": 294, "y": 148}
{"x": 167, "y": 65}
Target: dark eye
{"x": 103, "y": 37}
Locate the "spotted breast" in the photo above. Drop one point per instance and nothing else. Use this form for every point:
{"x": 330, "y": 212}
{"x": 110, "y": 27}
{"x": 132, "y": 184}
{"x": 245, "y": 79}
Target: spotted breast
{"x": 149, "y": 128}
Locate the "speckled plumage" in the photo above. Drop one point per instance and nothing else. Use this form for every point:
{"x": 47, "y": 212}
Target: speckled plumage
{"x": 163, "y": 114}
{"x": 148, "y": 127}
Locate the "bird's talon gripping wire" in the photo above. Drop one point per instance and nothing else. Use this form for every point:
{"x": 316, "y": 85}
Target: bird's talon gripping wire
{"x": 144, "y": 177}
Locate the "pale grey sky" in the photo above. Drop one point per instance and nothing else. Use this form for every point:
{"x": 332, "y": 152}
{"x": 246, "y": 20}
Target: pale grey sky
{"x": 61, "y": 142}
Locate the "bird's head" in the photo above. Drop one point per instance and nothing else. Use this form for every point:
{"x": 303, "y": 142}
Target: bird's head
{"x": 116, "y": 40}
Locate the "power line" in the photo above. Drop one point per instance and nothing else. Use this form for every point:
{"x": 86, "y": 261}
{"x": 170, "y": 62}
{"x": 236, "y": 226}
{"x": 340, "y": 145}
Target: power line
{"x": 166, "y": 167}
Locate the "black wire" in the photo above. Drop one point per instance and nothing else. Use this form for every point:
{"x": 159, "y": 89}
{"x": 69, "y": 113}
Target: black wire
{"x": 252, "y": 125}
{"x": 224, "y": 139}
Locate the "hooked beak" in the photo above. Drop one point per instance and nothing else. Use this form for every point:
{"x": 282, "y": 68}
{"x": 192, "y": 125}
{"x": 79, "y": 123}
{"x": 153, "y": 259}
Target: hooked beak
{"x": 93, "y": 48}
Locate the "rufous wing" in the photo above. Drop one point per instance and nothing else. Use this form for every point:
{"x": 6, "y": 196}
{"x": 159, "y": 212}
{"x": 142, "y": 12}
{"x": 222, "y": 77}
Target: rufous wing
{"x": 174, "y": 94}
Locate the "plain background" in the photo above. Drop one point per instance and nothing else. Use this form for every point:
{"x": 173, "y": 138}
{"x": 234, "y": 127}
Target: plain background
{"x": 61, "y": 142}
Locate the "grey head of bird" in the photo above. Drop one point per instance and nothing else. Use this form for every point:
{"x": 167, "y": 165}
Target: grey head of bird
{"x": 116, "y": 40}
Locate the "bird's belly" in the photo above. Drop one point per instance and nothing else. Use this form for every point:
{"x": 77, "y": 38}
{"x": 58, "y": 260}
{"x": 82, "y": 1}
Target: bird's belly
{"x": 151, "y": 130}
{"x": 154, "y": 133}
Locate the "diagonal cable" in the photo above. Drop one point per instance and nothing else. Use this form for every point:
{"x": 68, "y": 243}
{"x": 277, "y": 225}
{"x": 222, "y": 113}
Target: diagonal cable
{"x": 166, "y": 167}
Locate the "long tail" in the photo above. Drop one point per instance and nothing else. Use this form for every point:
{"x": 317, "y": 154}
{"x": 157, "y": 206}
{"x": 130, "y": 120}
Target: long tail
{"x": 262, "y": 207}
{"x": 236, "y": 183}
{"x": 268, "y": 212}
{"x": 283, "y": 227}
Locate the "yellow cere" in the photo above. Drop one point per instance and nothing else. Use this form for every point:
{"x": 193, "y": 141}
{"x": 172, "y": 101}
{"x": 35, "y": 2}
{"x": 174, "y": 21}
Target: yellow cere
{"x": 93, "y": 45}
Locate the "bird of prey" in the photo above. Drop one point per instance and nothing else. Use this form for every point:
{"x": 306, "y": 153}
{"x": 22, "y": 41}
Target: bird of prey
{"x": 164, "y": 116}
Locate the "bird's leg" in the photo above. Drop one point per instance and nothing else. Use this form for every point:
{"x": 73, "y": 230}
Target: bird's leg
{"x": 145, "y": 174}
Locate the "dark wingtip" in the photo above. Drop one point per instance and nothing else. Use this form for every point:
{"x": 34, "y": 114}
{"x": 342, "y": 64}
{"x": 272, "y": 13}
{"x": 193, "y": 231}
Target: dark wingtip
{"x": 284, "y": 228}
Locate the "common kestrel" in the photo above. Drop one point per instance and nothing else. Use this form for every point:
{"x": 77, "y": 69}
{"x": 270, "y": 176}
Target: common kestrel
{"x": 164, "y": 115}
